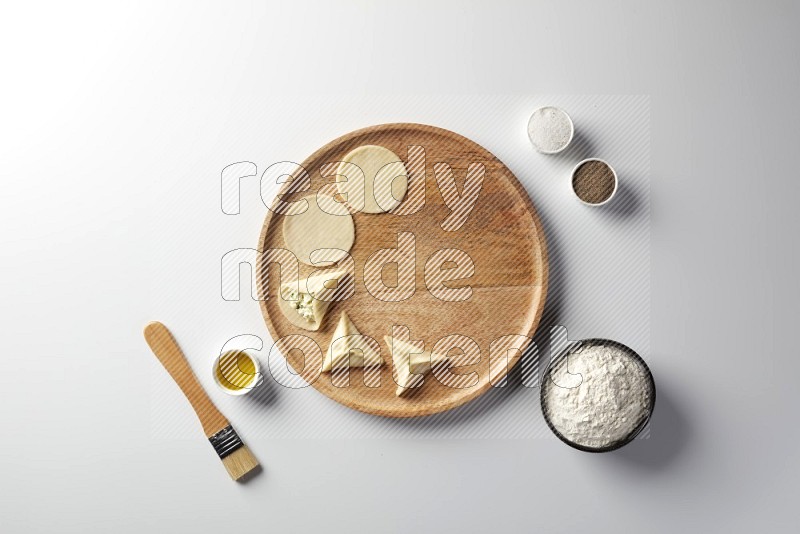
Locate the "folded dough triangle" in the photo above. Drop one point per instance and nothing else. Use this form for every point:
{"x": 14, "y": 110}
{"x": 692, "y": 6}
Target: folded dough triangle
{"x": 307, "y": 308}
{"x": 410, "y": 364}
{"x": 345, "y": 339}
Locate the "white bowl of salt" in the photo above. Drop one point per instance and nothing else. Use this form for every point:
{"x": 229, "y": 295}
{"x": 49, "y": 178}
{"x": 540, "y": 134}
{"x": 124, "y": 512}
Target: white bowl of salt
{"x": 550, "y": 130}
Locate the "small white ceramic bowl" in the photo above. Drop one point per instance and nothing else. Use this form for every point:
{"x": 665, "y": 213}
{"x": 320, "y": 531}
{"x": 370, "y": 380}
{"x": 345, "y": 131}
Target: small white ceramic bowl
{"x": 539, "y": 119}
{"x": 256, "y": 381}
{"x": 572, "y": 182}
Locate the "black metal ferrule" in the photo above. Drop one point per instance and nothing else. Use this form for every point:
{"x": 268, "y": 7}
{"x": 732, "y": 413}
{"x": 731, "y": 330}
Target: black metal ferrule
{"x": 225, "y": 441}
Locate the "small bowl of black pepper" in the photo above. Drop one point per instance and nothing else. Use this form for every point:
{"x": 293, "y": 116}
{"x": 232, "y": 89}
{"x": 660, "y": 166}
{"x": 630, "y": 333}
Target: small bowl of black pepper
{"x": 594, "y": 182}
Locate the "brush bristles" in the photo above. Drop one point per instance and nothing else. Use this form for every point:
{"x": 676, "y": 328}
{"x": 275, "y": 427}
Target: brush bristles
{"x": 240, "y": 462}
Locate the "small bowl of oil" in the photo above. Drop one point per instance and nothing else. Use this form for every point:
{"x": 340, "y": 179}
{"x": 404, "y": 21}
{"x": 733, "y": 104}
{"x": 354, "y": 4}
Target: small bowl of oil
{"x": 237, "y": 372}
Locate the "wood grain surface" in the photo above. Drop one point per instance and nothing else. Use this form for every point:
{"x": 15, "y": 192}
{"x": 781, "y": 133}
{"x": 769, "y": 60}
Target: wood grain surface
{"x": 503, "y": 236}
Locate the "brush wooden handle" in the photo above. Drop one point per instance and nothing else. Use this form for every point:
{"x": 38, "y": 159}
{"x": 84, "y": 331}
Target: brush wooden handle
{"x": 171, "y": 357}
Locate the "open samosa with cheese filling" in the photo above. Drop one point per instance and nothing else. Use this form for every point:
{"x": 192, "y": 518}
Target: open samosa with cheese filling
{"x": 411, "y": 363}
{"x": 348, "y": 348}
{"x": 305, "y": 308}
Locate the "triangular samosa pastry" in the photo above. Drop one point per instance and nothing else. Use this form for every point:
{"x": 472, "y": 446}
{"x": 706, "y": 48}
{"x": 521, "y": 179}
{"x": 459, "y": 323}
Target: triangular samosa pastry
{"x": 345, "y": 339}
{"x": 307, "y": 308}
{"x": 410, "y": 364}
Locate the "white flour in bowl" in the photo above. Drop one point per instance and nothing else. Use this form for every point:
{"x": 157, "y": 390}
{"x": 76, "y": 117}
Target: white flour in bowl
{"x": 606, "y": 404}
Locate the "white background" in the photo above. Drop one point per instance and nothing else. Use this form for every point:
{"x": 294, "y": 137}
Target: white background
{"x": 115, "y": 123}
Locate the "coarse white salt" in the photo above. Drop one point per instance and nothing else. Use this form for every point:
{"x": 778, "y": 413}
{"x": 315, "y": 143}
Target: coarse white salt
{"x": 550, "y": 129}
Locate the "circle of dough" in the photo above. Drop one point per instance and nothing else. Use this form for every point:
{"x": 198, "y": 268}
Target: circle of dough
{"x": 381, "y": 179}
{"x": 315, "y": 229}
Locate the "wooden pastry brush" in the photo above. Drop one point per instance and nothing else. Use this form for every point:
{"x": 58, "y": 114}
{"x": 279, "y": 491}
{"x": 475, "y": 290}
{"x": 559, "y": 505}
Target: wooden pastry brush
{"x": 235, "y": 455}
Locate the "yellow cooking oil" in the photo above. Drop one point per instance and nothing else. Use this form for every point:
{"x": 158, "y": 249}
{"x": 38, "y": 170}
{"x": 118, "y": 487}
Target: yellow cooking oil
{"x": 236, "y": 370}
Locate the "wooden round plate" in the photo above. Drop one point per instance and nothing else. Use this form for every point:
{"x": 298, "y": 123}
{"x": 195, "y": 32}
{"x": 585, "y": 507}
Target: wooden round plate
{"x": 502, "y": 235}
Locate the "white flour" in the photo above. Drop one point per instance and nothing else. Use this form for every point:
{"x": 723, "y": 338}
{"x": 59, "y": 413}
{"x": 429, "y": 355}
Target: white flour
{"x": 612, "y": 400}
{"x": 550, "y": 130}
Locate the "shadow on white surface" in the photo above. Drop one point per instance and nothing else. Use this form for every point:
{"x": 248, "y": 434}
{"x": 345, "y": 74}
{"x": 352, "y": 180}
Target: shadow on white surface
{"x": 669, "y": 434}
{"x": 579, "y": 149}
{"x": 627, "y": 204}
{"x": 265, "y": 395}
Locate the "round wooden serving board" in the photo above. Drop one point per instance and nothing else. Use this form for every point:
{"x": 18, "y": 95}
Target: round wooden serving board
{"x": 503, "y": 236}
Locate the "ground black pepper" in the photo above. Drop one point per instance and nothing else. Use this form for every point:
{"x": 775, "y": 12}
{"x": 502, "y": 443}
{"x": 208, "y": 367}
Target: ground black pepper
{"x": 594, "y": 182}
